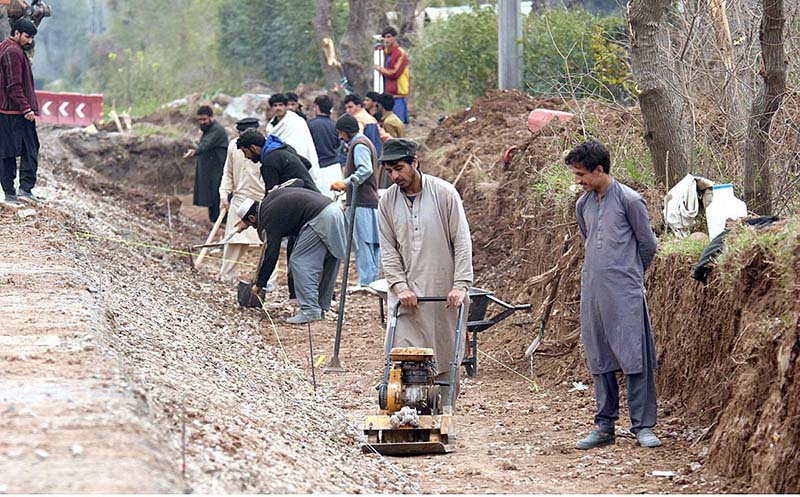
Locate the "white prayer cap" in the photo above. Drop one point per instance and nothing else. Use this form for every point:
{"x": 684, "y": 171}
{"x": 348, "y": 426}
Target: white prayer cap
{"x": 246, "y": 204}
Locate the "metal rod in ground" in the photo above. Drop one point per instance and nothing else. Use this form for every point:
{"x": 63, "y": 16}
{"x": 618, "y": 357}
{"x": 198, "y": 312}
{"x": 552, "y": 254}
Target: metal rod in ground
{"x": 311, "y": 351}
{"x": 183, "y": 447}
{"x": 335, "y": 365}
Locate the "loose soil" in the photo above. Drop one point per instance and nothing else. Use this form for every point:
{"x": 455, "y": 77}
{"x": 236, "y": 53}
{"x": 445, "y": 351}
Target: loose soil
{"x": 728, "y": 352}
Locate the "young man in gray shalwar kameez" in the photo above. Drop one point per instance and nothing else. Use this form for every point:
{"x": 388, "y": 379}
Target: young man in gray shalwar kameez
{"x": 426, "y": 251}
{"x": 615, "y": 326}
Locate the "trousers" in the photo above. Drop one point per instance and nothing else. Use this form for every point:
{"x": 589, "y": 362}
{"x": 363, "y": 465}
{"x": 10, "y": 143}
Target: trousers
{"x": 367, "y": 247}
{"x": 314, "y": 271}
{"x": 19, "y": 140}
{"x": 641, "y": 400}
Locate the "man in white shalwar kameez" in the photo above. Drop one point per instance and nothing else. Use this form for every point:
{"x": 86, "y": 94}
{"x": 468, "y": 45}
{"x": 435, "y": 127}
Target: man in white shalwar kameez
{"x": 293, "y": 130}
{"x": 426, "y": 251}
{"x": 242, "y": 179}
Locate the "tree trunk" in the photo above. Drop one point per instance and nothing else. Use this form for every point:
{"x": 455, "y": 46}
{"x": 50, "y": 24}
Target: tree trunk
{"x": 357, "y": 44}
{"x": 666, "y": 130}
{"x": 734, "y": 92}
{"x": 406, "y": 20}
{"x": 323, "y": 29}
{"x": 757, "y": 178}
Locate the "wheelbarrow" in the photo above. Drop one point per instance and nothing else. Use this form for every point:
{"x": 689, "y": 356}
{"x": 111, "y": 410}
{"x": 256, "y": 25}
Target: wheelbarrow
{"x": 480, "y": 299}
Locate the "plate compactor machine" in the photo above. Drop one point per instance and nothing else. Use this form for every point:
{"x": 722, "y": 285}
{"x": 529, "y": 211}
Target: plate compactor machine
{"x": 415, "y": 417}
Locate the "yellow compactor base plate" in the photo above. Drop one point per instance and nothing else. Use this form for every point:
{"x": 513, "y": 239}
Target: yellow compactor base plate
{"x": 432, "y": 436}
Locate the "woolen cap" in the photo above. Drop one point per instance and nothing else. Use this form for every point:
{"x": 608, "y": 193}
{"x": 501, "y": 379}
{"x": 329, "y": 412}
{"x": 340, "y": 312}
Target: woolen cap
{"x": 347, "y": 123}
{"x": 246, "y": 123}
{"x": 245, "y": 207}
{"x": 397, "y": 148}
{"x": 24, "y": 25}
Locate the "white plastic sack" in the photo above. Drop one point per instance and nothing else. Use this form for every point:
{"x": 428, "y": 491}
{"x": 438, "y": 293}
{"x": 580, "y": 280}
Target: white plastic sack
{"x": 681, "y": 205}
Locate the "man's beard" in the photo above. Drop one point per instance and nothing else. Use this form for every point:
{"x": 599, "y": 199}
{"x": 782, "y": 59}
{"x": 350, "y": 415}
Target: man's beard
{"x": 205, "y": 127}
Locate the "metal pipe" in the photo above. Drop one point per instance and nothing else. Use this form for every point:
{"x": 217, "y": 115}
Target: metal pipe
{"x": 454, "y": 364}
{"x": 335, "y": 365}
{"x": 390, "y": 342}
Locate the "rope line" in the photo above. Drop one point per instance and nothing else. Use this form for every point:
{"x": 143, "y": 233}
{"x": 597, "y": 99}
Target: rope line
{"x": 533, "y": 383}
{"x": 86, "y": 234}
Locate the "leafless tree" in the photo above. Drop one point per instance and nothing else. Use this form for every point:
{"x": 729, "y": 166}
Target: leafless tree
{"x": 323, "y": 32}
{"x": 659, "y": 89}
{"x": 757, "y": 177}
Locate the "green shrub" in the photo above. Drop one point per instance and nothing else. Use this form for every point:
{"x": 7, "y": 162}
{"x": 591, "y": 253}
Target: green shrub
{"x": 273, "y": 39}
{"x": 144, "y": 60}
{"x": 565, "y": 52}
{"x": 575, "y": 53}
{"x": 456, "y": 60}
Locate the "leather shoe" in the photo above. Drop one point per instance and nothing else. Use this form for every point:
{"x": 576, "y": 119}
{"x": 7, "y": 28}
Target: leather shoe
{"x": 647, "y": 438}
{"x": 595, "y": 439}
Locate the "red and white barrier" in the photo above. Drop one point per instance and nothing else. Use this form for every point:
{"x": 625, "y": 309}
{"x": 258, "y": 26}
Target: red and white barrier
{"x": 76, "y": 109}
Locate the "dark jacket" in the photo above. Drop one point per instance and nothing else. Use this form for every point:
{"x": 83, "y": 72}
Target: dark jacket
{"x": 281, "y": 164}
{"x": 326, "y": 140}
{"x": 211, "y": 153}
{"x": 283, "y": 213}
{"x": 17, "y": 93}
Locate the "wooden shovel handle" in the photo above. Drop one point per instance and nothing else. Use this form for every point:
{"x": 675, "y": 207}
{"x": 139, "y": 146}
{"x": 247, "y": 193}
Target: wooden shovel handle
{"x": 210, "y": 238}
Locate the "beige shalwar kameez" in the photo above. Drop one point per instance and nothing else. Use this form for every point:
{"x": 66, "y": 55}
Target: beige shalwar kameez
{"x": 241, "y": 177}
{"x": 426, "y": 247}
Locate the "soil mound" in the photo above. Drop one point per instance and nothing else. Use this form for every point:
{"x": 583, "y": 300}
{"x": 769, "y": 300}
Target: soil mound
{"x": 153, "y": 161}
{"x": 727, "y": 352}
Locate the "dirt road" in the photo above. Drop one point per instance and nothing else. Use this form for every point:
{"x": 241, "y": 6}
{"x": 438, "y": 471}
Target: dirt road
{"x": 113, "y": 348}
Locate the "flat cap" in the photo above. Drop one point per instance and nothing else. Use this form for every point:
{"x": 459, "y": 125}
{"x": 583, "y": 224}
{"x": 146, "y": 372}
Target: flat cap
{"x": 247, "y": 122}
{"x": 397, "y": 148}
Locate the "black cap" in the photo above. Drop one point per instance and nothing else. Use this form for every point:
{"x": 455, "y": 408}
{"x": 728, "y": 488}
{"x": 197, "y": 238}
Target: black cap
{"x": 247, "y": 122}
{"x": 397, "y": 148}
{"x": 24, "y": 25}
{"x": 347, "y": 123}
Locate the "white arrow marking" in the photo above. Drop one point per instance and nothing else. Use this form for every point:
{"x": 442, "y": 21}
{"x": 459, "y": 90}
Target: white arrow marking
{"x": 79, "y": 110}
{"x": 62, "y": 109}
{"x": 46, "y": 108}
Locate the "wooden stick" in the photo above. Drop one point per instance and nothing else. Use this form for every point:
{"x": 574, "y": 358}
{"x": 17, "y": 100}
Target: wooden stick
{"x": 463, "y": 168}
{"x": 210, "y": 238}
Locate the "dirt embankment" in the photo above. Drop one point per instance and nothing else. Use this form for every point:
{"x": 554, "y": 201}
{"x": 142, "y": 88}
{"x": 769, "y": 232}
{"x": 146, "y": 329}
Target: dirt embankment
{"x": 727, "y": 352}
{"x": 149, "y": 161}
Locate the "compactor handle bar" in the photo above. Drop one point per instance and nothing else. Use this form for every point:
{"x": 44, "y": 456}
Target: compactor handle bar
{"x": 454, "y": 363}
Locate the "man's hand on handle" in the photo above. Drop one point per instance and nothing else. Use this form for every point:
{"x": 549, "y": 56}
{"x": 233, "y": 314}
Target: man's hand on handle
{"x": 456, "y": 297}
{"x": 407, "y": 298}
{"x": 224, "y": 204}
{"x": 30, "y": 116}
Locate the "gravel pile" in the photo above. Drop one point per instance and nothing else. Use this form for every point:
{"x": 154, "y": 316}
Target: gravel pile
{"x": 252, "y": 422}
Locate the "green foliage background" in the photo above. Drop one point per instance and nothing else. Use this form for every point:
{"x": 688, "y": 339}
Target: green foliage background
{"x": 142, "y": 53}
{"x": 274, "y": 39}
{"x": 565, "y": 52}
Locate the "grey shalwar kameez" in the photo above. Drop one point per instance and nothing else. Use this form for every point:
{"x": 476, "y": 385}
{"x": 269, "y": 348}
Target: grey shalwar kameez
{"x": 615, "y": 326}
{"x": 426, "y": 247}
